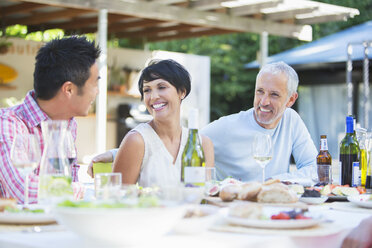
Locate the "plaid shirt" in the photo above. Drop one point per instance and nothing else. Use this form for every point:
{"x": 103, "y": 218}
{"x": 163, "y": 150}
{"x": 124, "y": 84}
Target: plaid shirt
{"x": 22, "y": 119}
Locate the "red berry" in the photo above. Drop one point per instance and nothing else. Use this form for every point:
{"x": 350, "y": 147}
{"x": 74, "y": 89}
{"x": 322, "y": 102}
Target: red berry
{"x": 281, "y": 216}
{"x": 302, "y": 217}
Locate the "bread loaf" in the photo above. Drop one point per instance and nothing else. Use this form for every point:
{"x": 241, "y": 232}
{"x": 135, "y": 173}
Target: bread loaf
{"x": 276, "y": 193}
{"x": 229, "y": 192}
{"x": 249, "y": 191}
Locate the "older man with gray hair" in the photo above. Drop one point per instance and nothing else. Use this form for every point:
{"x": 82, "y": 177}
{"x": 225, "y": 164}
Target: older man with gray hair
{"x": 232, "y": 136}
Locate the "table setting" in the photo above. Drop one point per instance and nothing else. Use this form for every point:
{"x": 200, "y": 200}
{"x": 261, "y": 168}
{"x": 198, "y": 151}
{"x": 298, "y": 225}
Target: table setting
{"x": 120, "y": 217}
{"x": 227, "y": 213}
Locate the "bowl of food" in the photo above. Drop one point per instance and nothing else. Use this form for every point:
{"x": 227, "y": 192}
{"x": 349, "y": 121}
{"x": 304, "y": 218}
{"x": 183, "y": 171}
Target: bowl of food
{"x": 119, "y": 223}
{"x": 313, "y": 197}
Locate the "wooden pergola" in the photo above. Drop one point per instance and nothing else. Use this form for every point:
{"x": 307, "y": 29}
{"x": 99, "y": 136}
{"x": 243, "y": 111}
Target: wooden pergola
{"x": 157, "y": 20}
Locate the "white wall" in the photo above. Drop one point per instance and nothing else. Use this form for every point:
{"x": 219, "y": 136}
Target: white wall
{"x": 22, "y": 58}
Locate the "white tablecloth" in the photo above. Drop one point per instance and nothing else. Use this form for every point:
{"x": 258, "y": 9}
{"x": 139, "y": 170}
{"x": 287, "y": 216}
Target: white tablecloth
{"x": 66, "y": 239}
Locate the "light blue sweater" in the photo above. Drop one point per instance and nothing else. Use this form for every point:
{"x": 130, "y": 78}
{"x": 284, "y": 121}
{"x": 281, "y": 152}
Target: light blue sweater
{"x": 232, "y": 137}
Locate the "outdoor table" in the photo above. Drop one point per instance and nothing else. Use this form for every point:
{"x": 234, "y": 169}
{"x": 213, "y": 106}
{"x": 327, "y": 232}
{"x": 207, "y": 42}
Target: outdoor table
{"x": 343, "y": 215}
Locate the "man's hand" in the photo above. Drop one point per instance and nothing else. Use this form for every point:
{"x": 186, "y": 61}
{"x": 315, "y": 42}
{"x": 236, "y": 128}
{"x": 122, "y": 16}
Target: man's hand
{"x": 105, "y": 157}
{"x": 360, "y": 237}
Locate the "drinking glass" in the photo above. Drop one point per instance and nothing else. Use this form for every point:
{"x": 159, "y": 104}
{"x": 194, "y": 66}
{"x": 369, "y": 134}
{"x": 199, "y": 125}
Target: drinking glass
{"x": 69, "y": 145}
{"x": 107, "y": 186}
{"x": 262, "y": 151}
{"x": 210, "y": 180}
{"x": 25, "y": 156}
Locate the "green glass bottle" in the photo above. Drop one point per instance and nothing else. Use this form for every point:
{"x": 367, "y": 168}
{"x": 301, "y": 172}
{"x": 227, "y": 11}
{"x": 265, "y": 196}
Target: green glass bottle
{"x": 349, "y": 153}
{"x": 361, "y": 134}
{"x": 193, "y": 162}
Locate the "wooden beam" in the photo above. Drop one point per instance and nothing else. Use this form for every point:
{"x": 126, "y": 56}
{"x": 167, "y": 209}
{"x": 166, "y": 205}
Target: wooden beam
{"x": 184, "y": 35}
{"x": 153, "y": 31}
{"x": 38, "y": 18}
{"x": 127, "y": 25}
{"x": 20, "y": 8}
{"x": 168, "y": 2}
{"x": 252, "y": 9}
{"x": 206, "y": 4}
{"x": 77, "y": 23}
{"x": 324, "y": 18}
{"x": 152, "y": 10}
{"x": 288, "y": 14}
{"x": 118, "y": 27}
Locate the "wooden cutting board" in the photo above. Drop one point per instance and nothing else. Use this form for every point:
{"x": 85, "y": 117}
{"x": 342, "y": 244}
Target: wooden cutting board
{"x": 218, "y": 202}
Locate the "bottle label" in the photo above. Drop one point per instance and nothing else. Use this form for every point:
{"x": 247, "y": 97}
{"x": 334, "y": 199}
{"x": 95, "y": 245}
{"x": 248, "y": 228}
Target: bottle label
{"x": 323, "y": 145}
{"x": 356, "y": 175}
{"x": 194, "y": 175}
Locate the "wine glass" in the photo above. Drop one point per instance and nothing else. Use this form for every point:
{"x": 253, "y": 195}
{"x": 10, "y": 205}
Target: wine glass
{"x": 69, "y": 146}
{"x": 25, "y": 156}
{"x": 262, "y": 151}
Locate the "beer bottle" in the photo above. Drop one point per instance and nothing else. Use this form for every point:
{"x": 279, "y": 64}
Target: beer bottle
{"x": 324, "y": 162}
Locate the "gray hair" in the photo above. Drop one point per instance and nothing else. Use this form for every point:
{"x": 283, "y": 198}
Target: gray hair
{"x": 281, "y": 67}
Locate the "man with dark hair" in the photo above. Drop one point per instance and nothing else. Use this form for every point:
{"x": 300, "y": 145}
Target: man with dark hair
{"x": 65, "y": 85}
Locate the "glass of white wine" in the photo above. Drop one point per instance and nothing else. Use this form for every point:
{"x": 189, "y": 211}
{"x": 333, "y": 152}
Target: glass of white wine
{"x": 25, "y": 156}
{"x": 262, "y": 151}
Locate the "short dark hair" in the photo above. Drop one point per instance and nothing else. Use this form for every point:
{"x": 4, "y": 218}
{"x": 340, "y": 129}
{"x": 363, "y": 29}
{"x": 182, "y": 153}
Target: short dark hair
{"x": 62, "y": 60}
{"x": 168, "y": 70}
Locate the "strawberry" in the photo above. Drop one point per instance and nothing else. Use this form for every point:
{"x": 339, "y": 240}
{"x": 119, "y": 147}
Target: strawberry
{"x": 302, "y": 217}
{"x": 281, "y": 216}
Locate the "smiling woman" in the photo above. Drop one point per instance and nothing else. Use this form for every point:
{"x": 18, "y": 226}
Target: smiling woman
{"x": 151, "y": 153}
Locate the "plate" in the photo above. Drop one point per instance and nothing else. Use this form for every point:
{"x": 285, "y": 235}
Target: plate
{"x": 272, "y": 224}
{"x": 332, "y": 198}
{"x": 364, "y": 201}
{"x": 26, "y": 218}
{"x": 198, "y": 219}
{"x": 314, "y": 200}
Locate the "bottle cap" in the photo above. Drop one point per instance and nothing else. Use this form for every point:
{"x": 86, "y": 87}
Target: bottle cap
{"x": 349, "y": 124}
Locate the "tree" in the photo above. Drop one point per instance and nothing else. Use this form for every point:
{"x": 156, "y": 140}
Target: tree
{"x": 232, "y": 87}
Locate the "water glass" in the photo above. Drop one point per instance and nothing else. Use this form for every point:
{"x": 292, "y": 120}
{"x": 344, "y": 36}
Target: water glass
{"x": 107, "y": 186}
{"x": 210, "y": 180}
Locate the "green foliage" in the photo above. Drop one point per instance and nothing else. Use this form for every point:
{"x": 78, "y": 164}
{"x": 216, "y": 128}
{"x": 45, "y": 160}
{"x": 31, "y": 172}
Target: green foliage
{"x": 232, "y": 87}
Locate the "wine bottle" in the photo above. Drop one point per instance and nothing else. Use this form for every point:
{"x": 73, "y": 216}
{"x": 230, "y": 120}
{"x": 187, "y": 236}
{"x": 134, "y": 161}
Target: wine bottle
{"x": 361, "y": 134}
{"x": 349, "y": 152}
{"x": 324, "y": 162}
{"x": 193, "y": 162}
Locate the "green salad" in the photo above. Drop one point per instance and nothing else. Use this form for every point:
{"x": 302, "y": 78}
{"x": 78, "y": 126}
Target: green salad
{"x": 143, "y": 202}
{"x": 24, "y": 210}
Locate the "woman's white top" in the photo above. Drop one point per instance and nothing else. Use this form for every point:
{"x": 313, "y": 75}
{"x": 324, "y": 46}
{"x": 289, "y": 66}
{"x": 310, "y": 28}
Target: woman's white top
{"x": 157, "y": 168}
